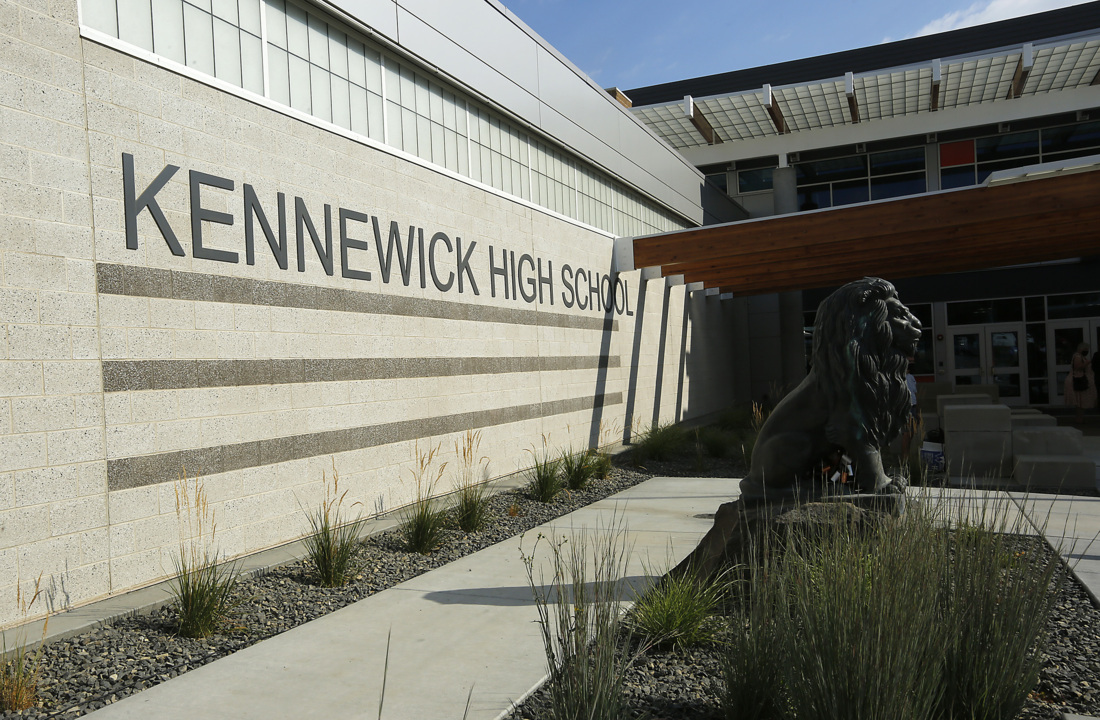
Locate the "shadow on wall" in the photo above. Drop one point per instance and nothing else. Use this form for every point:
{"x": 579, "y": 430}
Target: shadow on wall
{"x": 706, "y": 325}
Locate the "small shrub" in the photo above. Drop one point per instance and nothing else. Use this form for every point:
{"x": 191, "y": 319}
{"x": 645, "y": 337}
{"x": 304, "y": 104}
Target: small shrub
{"x": 202, "y": 591}
{"x": 514, "y": 510}
{"x": 472, "y": 502}
{"x": 423, "y": 523}
{"x": 676, "y": 611}
{"x": 576, "y": 469}
{"x": 334, "y": 539}
{"x": 715, "y": 442}
{"x": 586, "y": 661}
{"x": 546, "y": 480}
{"x": 736, "y": 418}
{"x": 660, "y": 442}
{"x": 21, "y": 670}
{"x": 600, "y": 463}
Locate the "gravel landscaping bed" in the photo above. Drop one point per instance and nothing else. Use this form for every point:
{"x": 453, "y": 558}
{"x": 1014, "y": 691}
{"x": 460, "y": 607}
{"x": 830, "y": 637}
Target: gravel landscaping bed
{"x": 94, "y": 669}
{"x": 687, "y": 684}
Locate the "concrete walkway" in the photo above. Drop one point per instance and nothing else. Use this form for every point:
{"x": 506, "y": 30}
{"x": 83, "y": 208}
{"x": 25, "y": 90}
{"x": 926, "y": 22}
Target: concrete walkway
{"x": 468, "y": 630}
{"x": 470, "y": 624}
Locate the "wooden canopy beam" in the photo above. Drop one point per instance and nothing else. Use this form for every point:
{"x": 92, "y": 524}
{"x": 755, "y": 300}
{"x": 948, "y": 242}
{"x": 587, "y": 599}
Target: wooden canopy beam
{"x": 911, "y": 246}
{"x": 774, "y": 112}
{"x": 1005, "y": 224}
{"x": 934, "y": 95}
{"x": 850, "y": 93}
{"x": 1023, "y": 69}
{"x": 699, "y": 120}
{"x": 770, "y": 280}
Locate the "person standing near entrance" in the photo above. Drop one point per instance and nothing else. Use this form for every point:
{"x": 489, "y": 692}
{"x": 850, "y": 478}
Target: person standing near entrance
{"x": 912, "y": 425}
{"x": 1080, "y": 390}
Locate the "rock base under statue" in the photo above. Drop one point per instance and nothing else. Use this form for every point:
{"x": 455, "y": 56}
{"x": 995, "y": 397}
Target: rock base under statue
{"x": 741, "y": 526}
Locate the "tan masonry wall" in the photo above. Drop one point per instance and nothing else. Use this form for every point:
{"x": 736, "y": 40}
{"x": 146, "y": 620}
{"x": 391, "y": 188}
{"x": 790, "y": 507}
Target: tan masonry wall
{"x": 120, "y": 367}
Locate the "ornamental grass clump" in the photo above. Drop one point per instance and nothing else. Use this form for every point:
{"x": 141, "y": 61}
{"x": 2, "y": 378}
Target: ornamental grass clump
{"x": 334, "y": 539}
{"x": 924, "y": 617}
{"x": 600, "y": 462}
{"x": 546, "y": 481}
{"x": 660, "y": 442}
{"x": 997, "y": 605}
{"x": 20, "y": 668}
{"x": 472, "y": 500}
{"x": 202, "y": 591}
{"x": 714, "y": 441}
{"x": 576, "y": 469}
{"x": 423, "y": 524}
{"x": 752, "y": 666}
{"x": 677, "y": 610}
{"x": 860, "y": 628}
{"x": 579, "y": 616}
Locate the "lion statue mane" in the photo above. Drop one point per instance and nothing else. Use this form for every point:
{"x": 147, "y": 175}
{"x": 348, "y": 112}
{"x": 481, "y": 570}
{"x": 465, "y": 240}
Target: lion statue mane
{"x": 854, "y": 397}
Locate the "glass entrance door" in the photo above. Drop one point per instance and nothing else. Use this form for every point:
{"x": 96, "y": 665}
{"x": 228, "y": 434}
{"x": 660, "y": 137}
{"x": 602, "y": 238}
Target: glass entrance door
{"x": 990, "y": 355}
{"x": 1063, "y": 336}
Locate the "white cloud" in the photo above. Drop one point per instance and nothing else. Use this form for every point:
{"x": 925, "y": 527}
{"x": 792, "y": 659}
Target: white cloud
{"x": 987, "y": 11}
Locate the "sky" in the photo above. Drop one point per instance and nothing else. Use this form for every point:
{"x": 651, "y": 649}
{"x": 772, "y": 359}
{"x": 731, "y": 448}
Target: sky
{"x": 636, "y": 43}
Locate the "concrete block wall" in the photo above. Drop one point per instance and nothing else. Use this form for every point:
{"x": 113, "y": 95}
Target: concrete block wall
{"x": 127, "y": 359}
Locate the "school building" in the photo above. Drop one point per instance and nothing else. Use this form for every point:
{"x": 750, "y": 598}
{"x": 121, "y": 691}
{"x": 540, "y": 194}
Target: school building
{"x": 259, "y": 241}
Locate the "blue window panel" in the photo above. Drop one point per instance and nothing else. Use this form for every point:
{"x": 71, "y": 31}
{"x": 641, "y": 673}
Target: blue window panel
{"x": 853, "y": 191}
{"x": 1011, "y": 145}
{"x": 898, "y": 185}
{"x": 814, "y": 198}
{"x": 957, "y": 177}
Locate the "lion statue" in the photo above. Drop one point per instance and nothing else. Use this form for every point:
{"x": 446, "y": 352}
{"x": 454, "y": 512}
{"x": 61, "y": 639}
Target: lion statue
{"x": 854, "y": 398}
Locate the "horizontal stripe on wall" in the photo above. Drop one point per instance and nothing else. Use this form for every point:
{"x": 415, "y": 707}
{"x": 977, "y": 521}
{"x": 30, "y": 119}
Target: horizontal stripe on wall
{"x": 136, "y": 281}
{"x": 131, "y": 375}
{"x": 132, "y": 472}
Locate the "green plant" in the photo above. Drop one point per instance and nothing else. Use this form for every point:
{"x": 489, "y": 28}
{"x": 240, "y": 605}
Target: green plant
{"x": 859, "y": 631}
{"x": 202, "y": 591}
{"x": 748, "y": 444}
{"x": 472, "y": 501}
{"x": 546, "y": 480}
{"x": 660, "y": 442}
{"x": 902, "y": 619}
{"x": 20, "y": 670}
{"x": 676, "y": 610}
{"x": 332, "y": 544}
{"x": 601, "y": 464}
{"x": 735, "y": 418}
{"x": 758, "y": 416}
{"x": 580, "y": 622}
{"x": 997, "y": 604}
{"x": 752, "y": 666}
{"x": 423, "y": 523}
{"x": 576, "y": 469}
{"x": 715, "y": 441}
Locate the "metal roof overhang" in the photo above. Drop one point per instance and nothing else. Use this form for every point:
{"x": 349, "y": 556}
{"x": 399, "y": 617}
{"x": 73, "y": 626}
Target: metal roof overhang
{"x": 1026, "y": 215}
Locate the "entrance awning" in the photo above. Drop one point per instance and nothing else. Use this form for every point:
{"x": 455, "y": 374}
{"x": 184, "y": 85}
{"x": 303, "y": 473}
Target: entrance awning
{"x": 1024, "y": 215}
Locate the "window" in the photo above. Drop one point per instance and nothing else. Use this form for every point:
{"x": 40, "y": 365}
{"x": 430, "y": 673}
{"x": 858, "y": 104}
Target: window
{"x": 969, "y": 162}
{"x": 749, "y": 181}
{"x": 859, "y": 178}
{"x": 973, "y": 312}
{"x": 323, "y": 69}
